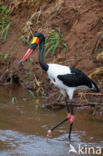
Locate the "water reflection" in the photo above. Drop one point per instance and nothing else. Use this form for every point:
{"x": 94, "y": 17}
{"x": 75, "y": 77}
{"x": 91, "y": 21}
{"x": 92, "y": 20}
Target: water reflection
{"x": 16, "y": 143}
{"x": 23, "y": 128}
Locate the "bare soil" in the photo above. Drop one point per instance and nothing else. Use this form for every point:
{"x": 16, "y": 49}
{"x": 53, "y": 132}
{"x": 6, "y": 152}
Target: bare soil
{"x": 81, "y": 23}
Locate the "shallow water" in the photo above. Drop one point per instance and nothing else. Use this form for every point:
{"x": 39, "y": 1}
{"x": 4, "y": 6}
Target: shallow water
{"x": 23, "y": 127}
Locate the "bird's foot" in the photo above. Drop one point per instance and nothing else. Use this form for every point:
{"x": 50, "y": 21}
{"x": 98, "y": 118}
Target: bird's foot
{"x": 49, "y": 135}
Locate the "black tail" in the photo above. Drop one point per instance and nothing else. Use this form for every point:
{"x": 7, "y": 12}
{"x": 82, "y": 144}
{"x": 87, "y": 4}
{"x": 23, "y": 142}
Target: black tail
{"x": 94, "y": 87}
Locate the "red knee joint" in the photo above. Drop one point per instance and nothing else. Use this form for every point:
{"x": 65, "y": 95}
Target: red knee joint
{"x": 72, "y": 119}
{"x": 69, "y": 115}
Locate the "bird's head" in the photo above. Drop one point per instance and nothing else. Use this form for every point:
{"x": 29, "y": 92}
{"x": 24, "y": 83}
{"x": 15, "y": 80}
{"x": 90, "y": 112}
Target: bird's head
{"x": 37, "y": 40}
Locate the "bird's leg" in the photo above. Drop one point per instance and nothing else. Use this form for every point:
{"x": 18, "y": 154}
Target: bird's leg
{"x": 68, "y": 107}
{"x": 53, "y": 128}
{"x": 71, "y": 119}
{"x": 70, "y": 115}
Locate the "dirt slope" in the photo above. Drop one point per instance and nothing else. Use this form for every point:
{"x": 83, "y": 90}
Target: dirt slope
{"x": 81, "y": 23}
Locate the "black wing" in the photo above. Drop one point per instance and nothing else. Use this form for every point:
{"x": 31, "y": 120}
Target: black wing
{"x": 76, "y": 78}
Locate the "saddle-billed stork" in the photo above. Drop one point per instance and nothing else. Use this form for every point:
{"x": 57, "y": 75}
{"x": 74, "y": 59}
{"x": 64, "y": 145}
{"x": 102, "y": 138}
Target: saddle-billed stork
{"x": 67, "y": 79}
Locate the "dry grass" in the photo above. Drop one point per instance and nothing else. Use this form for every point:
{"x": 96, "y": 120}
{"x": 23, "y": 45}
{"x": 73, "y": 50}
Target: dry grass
{"x": 97, "y": 74}
{"x": 35, "y": 8}
{"x": 32, "y": 4}
{"x": 27, "y": 30}
{"x": 59, "y": 4}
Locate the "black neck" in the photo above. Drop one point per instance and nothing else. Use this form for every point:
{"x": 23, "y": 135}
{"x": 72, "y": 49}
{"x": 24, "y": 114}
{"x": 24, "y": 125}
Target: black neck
{"x": 41, "y": 57}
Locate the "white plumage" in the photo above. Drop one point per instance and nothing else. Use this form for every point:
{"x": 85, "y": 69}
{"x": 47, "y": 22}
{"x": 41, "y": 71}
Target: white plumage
{"x": 53, "y": 72}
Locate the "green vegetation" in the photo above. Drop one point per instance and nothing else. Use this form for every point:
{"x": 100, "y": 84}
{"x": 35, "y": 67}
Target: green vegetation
{"x": 5, "y": 57}
{"x": 14, "y": 100}
{"x": 32, "y": 94}
{"x": 23, "y": 38}
{"x": 53, "y": 41}
{"x": 25, "y": 99}
{"x": 4, "y": 22}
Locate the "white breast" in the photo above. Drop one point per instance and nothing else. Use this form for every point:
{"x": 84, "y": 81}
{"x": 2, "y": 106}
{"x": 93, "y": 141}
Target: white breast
{"x": 55, "y": 70}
